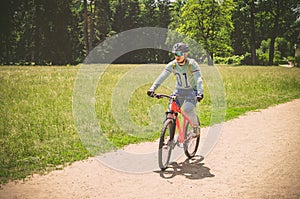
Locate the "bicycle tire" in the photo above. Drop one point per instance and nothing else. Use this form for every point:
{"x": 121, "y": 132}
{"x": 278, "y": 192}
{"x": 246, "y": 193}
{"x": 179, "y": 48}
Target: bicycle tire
{"x": 190, "y": 145}
{"x": 166, "y": 143}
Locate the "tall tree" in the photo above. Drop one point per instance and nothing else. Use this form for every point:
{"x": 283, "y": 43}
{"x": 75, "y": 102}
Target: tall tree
{"x": 6, "y": 38}
{"x": 164, "y": 19}
{"x": 252, "y": 31}
{"x": 92, "y": 32}
{"x": 277, "y": 18}
{"x": 118, "y": 24}
{"x": 244, "y": 36}
{"x": 103, "y": 15}
{"x": 240, "y": 35}
{"x": 86, "y": 26}
{"x": 176, "y": 12}
{"x": 41, "y": 32}
{"x": 149, "y": 13}
{"x": 209, "y": 23}
{"x": 164, "y": 15}
{"x": 52, "y": 37}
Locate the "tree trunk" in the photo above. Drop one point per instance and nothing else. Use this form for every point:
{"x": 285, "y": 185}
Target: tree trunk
{"x": 271, "y": 51}
{"x": 92, "y": 28}
{"x": 252, "y": 33}
{"x": 210, "y": 59}
{"x": 86, "y": 27}
{"x": 274, "y": 33}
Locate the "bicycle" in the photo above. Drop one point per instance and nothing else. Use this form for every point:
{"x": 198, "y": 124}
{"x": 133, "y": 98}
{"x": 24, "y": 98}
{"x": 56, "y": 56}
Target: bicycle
{"x": 170, "y": 125}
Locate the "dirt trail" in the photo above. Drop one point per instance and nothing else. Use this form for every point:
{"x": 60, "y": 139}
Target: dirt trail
{"x": 257, "y": 156}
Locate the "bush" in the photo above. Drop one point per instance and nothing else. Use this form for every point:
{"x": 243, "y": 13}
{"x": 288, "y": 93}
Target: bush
{"x": 262, "y": 57}
{"x": 282, "y": 51}
{"x": 219, "y": 60}
{"x": 233, "y": 60}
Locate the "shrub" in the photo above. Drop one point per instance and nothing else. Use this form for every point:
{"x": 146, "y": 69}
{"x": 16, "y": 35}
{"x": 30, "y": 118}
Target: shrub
{"x": 232, "y": 60}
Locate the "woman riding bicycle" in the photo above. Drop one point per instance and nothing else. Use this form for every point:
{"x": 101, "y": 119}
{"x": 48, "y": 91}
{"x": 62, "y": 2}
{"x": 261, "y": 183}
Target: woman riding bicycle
{"x": 189, "y": 88}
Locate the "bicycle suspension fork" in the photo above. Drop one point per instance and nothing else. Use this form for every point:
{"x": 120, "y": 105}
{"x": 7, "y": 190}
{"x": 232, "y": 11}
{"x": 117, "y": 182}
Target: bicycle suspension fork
{"x": 171, "y": 115}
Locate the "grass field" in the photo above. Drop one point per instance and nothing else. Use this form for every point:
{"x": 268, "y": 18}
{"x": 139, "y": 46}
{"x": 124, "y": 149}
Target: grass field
{"x": 37, "y": 131}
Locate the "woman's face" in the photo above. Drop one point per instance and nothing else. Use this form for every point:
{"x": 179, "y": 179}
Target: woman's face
{"x": 179, "y": 57}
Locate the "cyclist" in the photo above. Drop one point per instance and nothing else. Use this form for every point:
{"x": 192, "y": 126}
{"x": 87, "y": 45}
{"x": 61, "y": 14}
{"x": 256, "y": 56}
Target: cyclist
{"x": 189, "y": 88}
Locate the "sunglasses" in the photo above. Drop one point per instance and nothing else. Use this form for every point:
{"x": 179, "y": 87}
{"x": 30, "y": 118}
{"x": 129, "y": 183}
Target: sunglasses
{"x": 178, "y": 54}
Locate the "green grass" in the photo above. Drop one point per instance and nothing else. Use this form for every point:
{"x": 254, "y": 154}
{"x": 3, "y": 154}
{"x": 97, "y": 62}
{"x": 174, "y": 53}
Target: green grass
{"x": 37, "y": 130}
{"x": 37, "y": 133}
{"x": 251, "y": 88}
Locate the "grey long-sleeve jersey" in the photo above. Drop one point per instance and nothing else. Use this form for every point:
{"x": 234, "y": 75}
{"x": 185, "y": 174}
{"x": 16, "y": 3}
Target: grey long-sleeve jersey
{"x": 188, "y": 76}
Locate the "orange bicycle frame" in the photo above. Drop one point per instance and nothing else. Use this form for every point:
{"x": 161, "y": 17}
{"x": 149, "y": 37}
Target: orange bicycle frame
{"x": 174, "y": 108}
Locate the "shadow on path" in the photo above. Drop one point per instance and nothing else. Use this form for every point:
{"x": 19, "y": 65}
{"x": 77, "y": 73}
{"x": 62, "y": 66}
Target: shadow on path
{"x": 191, "y": 168}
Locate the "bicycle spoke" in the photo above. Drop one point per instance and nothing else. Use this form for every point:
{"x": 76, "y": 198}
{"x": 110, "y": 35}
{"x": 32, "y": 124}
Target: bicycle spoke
{"x": 190, "y": 144}
{"x": 165, "y": 144}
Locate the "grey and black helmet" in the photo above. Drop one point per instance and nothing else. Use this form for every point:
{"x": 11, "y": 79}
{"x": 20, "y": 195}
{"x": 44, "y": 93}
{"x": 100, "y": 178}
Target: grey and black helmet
{"x": 180, "y": 47}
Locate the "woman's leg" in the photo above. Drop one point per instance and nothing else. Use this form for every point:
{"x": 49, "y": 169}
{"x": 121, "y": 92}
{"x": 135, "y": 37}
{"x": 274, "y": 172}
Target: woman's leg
{"x": 189, "y": 109}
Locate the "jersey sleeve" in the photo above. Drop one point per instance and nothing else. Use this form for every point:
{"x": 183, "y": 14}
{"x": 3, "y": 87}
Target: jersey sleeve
{"x": 162, "y": 77}
{"x": 197, "y": 77}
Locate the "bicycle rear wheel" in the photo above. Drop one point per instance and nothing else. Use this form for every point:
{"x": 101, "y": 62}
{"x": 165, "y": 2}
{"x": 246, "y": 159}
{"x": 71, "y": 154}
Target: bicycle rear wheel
{"x": 190, "y": 144}
{"x": 166, "y": 143}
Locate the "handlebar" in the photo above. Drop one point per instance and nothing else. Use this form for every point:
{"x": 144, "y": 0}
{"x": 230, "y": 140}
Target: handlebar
{"x": 159, "y": 96}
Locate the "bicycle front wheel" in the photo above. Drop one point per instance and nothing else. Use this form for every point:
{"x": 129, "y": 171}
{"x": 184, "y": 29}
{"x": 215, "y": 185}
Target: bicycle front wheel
{"x": 190, "y": 145}
{"x": 166, "y": 143}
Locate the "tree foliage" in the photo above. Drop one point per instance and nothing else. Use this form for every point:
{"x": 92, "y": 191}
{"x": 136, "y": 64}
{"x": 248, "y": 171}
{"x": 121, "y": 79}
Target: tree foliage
{"x": 209, "y": 23}
{"x": 259, "y": 20}
{"x": 277, "y": 18}
{"x": 64, "y": 31}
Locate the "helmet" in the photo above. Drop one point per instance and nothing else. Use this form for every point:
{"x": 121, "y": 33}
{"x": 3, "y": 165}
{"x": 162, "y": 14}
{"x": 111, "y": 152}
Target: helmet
{"x": 180, "y": 47}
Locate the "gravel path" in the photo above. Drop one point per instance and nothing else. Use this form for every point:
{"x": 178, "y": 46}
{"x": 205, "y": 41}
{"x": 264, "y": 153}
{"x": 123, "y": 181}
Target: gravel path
{"x": 256, "y": 156}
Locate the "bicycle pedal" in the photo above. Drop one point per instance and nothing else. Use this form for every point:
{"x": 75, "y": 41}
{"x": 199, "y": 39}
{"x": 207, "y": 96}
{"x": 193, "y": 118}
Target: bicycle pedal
{"x": 180, "y": 145}
{"x": 174, "y": 144}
